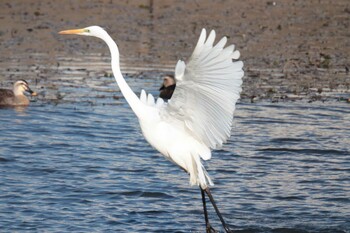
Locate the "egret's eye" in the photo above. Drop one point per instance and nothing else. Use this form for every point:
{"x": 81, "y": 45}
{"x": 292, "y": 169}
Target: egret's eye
{"x": 87, "y": 30}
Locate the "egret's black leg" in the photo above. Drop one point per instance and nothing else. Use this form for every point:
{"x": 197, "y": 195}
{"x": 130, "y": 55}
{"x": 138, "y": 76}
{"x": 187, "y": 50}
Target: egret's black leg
{"x": 209, "y": 229}
{"x": 207, "y": 191}
{"x": 205, "y": 209}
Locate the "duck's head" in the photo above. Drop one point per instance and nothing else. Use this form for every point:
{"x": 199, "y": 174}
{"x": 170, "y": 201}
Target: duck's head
{"x": 22, "y": 86}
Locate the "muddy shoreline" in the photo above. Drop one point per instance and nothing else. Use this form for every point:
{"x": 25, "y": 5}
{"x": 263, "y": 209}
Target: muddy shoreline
{"x": 292, "y": 50}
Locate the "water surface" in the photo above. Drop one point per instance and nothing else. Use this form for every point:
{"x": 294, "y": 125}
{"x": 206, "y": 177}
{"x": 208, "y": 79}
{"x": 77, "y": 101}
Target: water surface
{"x": 81, "y": 165}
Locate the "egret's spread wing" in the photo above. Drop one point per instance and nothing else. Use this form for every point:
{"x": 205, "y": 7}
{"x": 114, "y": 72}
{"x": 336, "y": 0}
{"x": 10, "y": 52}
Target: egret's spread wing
{"x": 150, "y": 101}
{"x": 206, "y": 91}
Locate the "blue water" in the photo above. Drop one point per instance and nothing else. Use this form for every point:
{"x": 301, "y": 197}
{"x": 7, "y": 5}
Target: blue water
{"x": 83, "y": 166}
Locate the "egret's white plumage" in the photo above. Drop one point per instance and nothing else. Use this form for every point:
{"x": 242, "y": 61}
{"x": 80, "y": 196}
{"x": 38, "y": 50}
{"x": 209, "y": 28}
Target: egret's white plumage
{"x": 199, "y": 116}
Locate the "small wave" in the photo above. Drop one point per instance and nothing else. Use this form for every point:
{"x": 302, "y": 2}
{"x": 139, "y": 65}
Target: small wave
{"x": 288, "y": 230}
{"x": 307, "y": 151}
{"x": 131, "y": 193}
{"x": 289, "y": 198}
{"x": 156, "y": 195}
{"x": 2, "y": 159}
{"x": 278, "y": 140}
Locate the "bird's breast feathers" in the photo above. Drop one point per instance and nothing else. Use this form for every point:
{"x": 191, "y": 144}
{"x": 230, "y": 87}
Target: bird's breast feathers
{"x": 172, "y": 141}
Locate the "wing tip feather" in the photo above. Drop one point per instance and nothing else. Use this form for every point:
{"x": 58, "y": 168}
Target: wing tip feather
{"x": 213, "y": 137}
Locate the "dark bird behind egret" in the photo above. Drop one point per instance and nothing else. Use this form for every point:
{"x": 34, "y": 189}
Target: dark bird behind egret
{"x": 16, "y": 97}
{"x": 199, "y": 116}
{"x": 168, "y": 87}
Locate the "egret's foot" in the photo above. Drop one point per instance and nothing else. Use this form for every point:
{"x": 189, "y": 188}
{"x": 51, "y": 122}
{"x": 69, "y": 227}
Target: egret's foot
{"x": 225, "y": 226}
{"x": 210, "y": 229}
{"x": 227, "y": 229}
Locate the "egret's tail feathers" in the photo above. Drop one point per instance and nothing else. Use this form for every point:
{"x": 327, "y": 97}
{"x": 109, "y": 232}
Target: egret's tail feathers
{"x": 207, "y": 177}
{"x": 199, "y": 176}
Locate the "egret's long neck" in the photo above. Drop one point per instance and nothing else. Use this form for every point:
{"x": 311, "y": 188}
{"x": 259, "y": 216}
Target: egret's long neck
{"x": 134, "y": 102}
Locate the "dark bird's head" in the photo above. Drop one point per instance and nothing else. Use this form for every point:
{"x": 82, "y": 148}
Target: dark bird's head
{"x": 168, "y": 87}
{"x": 168, "y": 81}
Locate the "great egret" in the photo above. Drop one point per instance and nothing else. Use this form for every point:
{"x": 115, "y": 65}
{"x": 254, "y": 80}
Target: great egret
{"x": 168, "y": 87}
{"x": 200, "y": 114}
{"x": 16, "y": 97}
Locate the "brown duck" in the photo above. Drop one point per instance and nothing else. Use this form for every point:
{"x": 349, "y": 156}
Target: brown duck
{"x": 16, "y": 97}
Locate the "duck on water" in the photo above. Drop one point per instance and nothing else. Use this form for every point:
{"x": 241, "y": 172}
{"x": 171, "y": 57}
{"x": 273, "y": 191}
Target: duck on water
{"x": 16, "y": 97}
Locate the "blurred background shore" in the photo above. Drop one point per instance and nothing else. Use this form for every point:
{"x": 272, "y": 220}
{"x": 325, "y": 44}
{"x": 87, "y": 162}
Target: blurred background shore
{"x": 292, "y": 49}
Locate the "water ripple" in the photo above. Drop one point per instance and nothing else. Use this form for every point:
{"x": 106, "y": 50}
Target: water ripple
{"x": 76, "y": 167}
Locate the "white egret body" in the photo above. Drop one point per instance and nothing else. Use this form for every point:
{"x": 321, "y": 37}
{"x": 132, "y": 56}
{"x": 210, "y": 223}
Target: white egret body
{"x": 199, "y": 116}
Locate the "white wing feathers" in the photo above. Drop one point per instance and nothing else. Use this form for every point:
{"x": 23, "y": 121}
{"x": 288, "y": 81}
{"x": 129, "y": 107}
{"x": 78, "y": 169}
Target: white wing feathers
{"x": 206, "y": 91}
{"x": 143, "y": 97}
{"x": 149, "y": 100}
{"x": 180, "y": 70}
{"x": 159, "y": 102}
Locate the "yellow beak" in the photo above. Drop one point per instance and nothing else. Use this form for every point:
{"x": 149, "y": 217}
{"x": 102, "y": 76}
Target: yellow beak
{"x": 72, "y": 31}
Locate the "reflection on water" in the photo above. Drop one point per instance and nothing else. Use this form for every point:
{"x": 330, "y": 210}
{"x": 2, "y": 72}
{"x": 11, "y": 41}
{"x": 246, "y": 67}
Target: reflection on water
{"x": 21, "y": 110}
{"x": 82, "y": 165}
